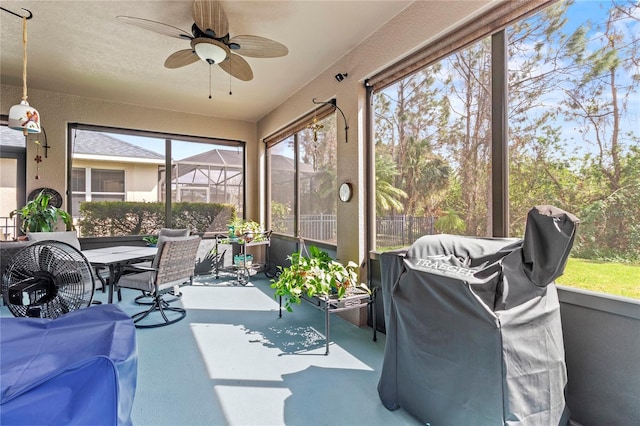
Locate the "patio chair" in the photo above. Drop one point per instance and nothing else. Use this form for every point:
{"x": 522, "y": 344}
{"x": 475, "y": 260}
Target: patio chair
{"x": 174, "y": 265}
{"x": 164, "y": 232}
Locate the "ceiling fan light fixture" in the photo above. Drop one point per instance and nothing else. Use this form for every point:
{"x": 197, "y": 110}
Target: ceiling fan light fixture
{"x": 210, "y": 51}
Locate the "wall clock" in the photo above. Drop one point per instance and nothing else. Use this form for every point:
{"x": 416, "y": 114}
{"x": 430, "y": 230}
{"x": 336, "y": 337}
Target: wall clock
{"x": 345, "y": 192}
{"x": 55, "y": 200}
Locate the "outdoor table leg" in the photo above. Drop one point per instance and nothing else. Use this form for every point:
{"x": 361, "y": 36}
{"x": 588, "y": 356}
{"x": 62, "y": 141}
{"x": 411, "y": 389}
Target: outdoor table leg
{"x": 112, "y": 277}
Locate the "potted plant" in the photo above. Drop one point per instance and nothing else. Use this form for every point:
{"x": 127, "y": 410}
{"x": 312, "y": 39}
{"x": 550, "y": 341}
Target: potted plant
{"x": 241, "y": 230}
{"x": 151, "y": 240}
{"x": 38, "y": 215}
{"x": 315, "y": 275}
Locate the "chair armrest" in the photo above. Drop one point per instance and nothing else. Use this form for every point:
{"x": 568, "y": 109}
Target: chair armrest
{"x": 139, "y": 268}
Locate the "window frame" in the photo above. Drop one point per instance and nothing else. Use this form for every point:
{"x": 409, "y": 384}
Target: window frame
{"x": 168, "y": 138}
{"x": 500, "y": 150}
{"x": 491, "y": 23}
{"x": 292, "y": 130}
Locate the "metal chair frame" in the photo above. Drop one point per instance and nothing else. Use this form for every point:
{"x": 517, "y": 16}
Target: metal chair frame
{"x": 175, "y": 266}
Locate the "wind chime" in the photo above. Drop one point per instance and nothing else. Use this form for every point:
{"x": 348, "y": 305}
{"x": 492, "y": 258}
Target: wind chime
{"x": 315, "y": 127}
{"x": 38, "y": 157}
{"x": 24, "y": 117}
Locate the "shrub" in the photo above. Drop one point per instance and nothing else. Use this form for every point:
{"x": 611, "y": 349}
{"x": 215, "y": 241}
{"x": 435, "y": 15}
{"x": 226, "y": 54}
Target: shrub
{"x": 120, "y": 218}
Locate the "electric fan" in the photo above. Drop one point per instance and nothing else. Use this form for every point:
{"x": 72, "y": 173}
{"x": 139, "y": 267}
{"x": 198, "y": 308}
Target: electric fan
{"x": 46, "y": 280}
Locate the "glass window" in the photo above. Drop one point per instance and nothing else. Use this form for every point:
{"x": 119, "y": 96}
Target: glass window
{"x": 207, "y": 173}
{"x": 317, "y": 180}
{"x": 314, "y": 172}
{"x": 132, "y": 166}
{"x": 106, "y": 185}
{"x": 572, "y": 112}
{"x": 282, "y": 177}
{"x": 432, "y": 150}
{"x": 574, "y": 109}
{"x": 12, "y": 178}
{"x": 107, "y": 181}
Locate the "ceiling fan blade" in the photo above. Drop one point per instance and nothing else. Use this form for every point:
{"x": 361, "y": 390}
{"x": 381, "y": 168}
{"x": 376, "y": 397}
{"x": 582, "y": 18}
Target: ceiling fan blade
{"x": 181, "y": 58}
{"x": 237, "y": 67}
{"x": 156, "y": 27}
{"x": 209, "y": 15}
{"x": 258, "y": 47}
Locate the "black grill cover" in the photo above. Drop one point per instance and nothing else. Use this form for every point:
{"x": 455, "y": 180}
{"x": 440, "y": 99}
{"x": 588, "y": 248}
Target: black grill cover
{"x": 473, "y": 326}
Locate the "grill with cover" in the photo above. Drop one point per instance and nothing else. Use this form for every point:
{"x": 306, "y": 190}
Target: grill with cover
{"x": 473, "y": 326}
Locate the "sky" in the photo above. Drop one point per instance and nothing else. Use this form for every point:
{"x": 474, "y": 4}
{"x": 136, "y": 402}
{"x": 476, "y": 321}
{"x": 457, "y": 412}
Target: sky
{"x": 578, "y": 13}
{"x": 179, "y": 149}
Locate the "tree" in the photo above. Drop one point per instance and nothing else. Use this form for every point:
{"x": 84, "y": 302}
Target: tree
{"x": 469, "y": 140}
{"x": 409, "y": 121}
{"x": 388, "y": 197}
{"x": 597, "y": 99}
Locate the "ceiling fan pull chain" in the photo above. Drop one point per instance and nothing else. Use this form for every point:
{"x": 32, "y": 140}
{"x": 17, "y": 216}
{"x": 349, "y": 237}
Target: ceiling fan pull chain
{"x": 230, "y": 79}
{"x": 209, "y": 80}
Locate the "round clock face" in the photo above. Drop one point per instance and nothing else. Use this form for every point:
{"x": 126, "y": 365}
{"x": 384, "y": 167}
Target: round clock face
{"x": 55, "y": 200}
{"x": 345, "y": 192}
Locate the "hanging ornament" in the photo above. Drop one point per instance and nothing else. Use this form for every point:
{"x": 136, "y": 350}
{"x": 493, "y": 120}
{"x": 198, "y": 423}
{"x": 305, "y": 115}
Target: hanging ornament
{"x": 315, "y": 127}
{"x": 38, "y": 159}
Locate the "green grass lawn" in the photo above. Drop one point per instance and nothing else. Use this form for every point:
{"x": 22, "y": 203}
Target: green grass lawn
{"x": 605, "y": 277}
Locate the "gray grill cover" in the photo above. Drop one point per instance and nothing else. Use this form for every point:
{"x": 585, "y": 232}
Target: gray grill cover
{"x": 473, "y": 326}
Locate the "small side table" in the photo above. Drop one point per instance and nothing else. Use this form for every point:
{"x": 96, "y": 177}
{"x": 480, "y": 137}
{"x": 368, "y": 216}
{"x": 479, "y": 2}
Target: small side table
{"x": 357, "y": 299}
{"x": 242, "y": 271}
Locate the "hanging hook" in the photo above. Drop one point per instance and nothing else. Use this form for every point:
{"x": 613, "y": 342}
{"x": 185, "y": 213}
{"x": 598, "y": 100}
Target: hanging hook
{"x": 334, "y": 102}
{"x": 19, "y": 16}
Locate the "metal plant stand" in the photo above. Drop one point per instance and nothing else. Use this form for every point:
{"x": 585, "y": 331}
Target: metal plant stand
{"x": 356, "y": 299}
{"x": 243, "y": 269}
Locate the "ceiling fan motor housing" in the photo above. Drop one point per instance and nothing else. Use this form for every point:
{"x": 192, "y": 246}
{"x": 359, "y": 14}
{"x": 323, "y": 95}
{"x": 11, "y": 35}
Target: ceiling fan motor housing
{"x": 210, "y": 50}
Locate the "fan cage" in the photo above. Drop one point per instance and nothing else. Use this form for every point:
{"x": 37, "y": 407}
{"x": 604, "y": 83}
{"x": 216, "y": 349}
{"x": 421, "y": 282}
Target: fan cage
{"x": 47, "y": 279}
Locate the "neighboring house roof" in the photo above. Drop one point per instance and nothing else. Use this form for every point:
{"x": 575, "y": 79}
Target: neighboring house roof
{"x": 95, "y": 143}
{"x": 218, "y": 157}
{"x": 10, "y": 137}
{"x": 287, "y": 164}
{"x": 86, "y": 144}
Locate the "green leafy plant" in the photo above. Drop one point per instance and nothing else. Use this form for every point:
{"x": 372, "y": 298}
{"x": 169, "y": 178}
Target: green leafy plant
{"x": 151, "y": 240}
{"x": 249, "y": 230}
{"x": 39, "y": 216}
{"x": 314, "y": 275}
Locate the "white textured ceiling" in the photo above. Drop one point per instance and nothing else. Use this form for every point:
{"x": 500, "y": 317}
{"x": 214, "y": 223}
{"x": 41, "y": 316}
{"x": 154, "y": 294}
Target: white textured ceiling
{"x": 80, "y": 48}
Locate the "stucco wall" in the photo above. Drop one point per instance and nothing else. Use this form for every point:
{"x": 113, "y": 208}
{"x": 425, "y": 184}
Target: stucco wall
{"x": 141, "y": 180}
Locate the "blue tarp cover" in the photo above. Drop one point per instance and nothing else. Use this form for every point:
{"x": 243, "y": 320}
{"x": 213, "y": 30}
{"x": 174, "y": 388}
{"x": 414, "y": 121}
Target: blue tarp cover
{"x": 77, "y": 369}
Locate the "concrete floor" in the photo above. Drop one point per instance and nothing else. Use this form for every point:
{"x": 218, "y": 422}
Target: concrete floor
{"x": 232, "y": 361}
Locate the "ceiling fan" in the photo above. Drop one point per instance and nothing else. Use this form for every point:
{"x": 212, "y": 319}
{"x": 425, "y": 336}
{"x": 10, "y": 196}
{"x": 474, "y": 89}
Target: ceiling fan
{"x": 211, "y": 43}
